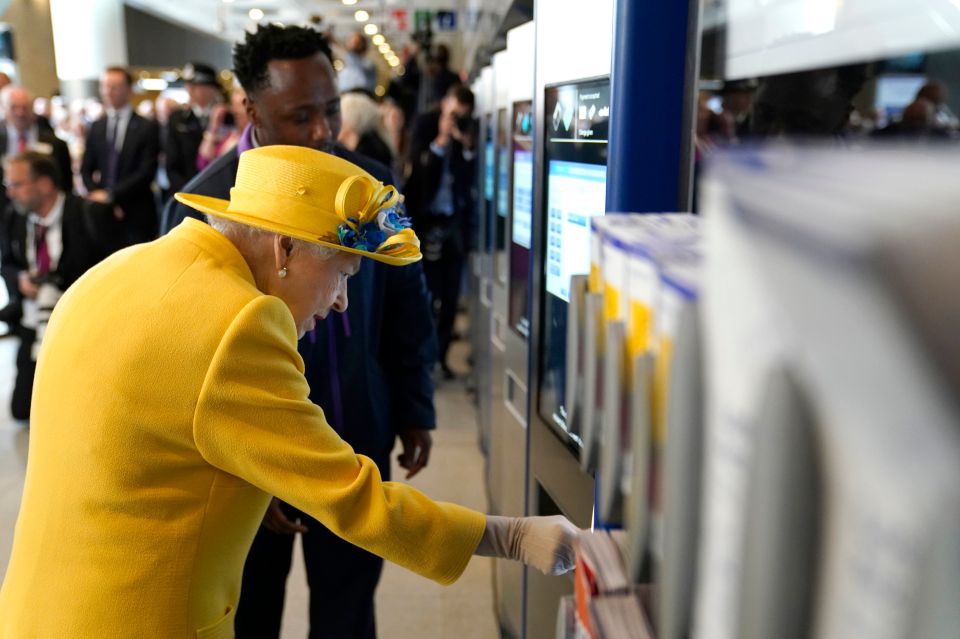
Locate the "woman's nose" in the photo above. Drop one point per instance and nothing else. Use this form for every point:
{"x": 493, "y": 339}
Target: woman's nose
{"x": 340, "y": 304}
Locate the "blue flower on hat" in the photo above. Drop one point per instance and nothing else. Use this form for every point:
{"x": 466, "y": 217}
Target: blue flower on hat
{"x": 371, "y": 235}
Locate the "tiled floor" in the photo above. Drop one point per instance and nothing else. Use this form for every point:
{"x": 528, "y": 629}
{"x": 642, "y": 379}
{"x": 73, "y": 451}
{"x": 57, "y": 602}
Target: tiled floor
{"x": 408, "y": 606}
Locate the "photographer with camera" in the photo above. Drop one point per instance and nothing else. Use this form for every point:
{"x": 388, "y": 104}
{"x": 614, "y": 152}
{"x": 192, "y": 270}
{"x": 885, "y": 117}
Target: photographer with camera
{"x": 440, "y": 202}
{"x": 224, "y": 129}
{"x": 48, "y": 239}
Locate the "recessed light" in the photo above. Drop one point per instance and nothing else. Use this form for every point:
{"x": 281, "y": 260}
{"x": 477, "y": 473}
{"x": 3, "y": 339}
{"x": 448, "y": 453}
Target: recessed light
{"x": 361, "y": 16}
{"x": 384, "y": 47}
{"x": 370, "y": 29}
{"x": 256, "y": 14}
{"x": 379, "y": 39}
{"x": 349, "y": 3}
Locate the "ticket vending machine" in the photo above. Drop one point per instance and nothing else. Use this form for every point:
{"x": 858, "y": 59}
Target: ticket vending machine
{"x": 483, "y": 259}
{"x": 572, "y": 110}
{"x": 498, "y": 280}
{"x": 511, "y": 312}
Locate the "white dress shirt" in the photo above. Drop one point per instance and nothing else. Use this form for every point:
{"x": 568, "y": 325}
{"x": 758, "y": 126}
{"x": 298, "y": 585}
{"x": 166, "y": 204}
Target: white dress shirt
{"x": 13, "y": 139}
{"x": 124, "y": 114}
{"x": 54, "y": 239}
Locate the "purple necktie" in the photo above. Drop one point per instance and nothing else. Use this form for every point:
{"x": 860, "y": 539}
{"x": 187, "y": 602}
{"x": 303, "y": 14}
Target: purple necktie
{"x": 43, "y": 255}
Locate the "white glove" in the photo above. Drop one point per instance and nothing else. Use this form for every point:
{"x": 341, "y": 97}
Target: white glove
{"x": 546, "y": 543}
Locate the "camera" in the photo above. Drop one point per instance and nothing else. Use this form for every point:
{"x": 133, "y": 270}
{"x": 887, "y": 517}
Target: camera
{"x": 464, "y": 123}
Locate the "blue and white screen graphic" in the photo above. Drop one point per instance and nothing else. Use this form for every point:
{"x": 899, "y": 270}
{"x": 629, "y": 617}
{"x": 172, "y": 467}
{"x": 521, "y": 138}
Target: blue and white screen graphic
{"x": 577, "y": 192}
{"x": 523, "y": 198}
{"x": 488, "y": 171}
{"x": 503, "y": 182}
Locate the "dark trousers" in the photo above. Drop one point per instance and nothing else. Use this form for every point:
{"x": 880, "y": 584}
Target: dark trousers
{"x": 26, "y": 368}
{"x": 443, "y": 276}
{"x": 342, "y": 580}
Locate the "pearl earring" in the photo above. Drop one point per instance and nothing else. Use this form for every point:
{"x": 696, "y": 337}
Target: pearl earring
{"x": 282, "y": 272}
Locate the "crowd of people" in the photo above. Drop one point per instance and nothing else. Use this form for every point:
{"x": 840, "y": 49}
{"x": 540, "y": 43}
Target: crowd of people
{"x": 85, "y": 181}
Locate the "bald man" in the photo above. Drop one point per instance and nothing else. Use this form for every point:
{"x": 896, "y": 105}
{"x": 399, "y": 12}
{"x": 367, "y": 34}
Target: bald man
{"x": 20, "y": 132}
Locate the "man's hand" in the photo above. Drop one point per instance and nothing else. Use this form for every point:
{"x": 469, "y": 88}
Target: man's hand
{"x": 445, "y": 130}
{"x": 417, "y": 443}
{"x": 100, "y": 195}
{"x": 277, "y": 521}
{"x": 27, "y": 288}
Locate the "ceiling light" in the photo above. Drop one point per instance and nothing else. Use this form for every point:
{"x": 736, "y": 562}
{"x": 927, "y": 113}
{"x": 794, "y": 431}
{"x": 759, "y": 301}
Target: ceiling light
{"x": 361, "y": 16}
{"x": 227, "y": 1}
{"x": 370, "y": 29}
{"x": 153, "y": 84}
{"x": 394, "y": 62}
{"x": 384, "y": 47}
{"x": 380, "y": 91}
{"x": 379, "y": 39}
{"x": 256, "y": 14}
{"x": 349, "y": 2}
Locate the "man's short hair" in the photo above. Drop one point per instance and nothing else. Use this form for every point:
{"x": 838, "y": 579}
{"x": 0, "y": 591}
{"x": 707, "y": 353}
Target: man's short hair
{"x": 126, "y": 74}
{"x": 273, "y": 42}
{"x": 40, "y": 164}
{"x": 463, "y": 95}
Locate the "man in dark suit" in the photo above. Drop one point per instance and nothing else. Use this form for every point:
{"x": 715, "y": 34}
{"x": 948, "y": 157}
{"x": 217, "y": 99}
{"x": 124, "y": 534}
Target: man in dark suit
{"x": 22, "y": 133}
{"x": 440, "y": 200}
{"x": 186, "y": 127}
{"x": 48, "y": 239}
{"x": 370, "y": 371}
{"x": 120, "y": 160}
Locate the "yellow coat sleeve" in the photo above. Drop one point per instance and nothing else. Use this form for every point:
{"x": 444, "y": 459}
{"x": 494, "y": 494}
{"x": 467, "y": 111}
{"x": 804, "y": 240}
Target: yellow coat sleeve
{"x": 254, "y": 419}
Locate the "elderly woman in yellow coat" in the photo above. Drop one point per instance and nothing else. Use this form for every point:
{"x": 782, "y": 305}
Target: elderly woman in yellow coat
{"x": 170, "y": 404}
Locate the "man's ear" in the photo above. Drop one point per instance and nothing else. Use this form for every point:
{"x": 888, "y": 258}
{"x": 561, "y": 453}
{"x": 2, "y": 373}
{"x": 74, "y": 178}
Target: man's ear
{"x": 251, "y": 108}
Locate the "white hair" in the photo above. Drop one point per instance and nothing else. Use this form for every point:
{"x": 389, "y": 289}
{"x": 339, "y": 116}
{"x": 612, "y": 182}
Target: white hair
{"x": 239, "y": 231}
{"x": 361, "y": 114}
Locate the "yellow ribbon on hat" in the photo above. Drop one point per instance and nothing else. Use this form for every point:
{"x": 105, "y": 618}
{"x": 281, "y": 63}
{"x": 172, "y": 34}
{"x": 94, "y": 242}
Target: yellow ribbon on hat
{"x": 359, "y": 201}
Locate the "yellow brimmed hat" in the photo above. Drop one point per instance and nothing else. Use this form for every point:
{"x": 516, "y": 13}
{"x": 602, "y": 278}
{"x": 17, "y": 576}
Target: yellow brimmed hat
{"x": 319, "y": 198}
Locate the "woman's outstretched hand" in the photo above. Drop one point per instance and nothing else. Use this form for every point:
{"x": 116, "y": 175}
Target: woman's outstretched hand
{"x": 545, "y": 543}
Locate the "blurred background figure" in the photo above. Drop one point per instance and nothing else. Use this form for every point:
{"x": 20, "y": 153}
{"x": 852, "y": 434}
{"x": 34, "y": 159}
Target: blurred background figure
{"x": 737, "y": 101}
{"x": 120, "y": 159}
{"x": 146, "y": 110}
{"x": 48, "y": 239}
{"x": 363, "y": 129}
{"x": 917, "y": 122}
{"x": 436, "y": 79}
{"x": 936, "y": 93}
{"x": 186, "y": 126}
{"x": 358, "y": 73}
{"x": 4, "y": 80}
{"x": 21, "y": 132}
{"x": 223, "y": 132}
{"x": 164, "y": 107}
{"x": 395, "y": 129}
{"x": 439, "y": 194}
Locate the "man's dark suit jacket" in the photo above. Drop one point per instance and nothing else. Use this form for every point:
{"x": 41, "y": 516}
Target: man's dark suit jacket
{"x": 380, "y": 353}
{"x": 60, "y": 154}
{"x": 90, "y": 233}
{"x": 184, "y": 135}
{"x": 136, "y": 169}
{"x": 427, "y": 171}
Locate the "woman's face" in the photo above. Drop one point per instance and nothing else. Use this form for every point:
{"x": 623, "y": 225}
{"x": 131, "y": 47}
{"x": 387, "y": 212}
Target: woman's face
{"x": 313, "y": 285}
